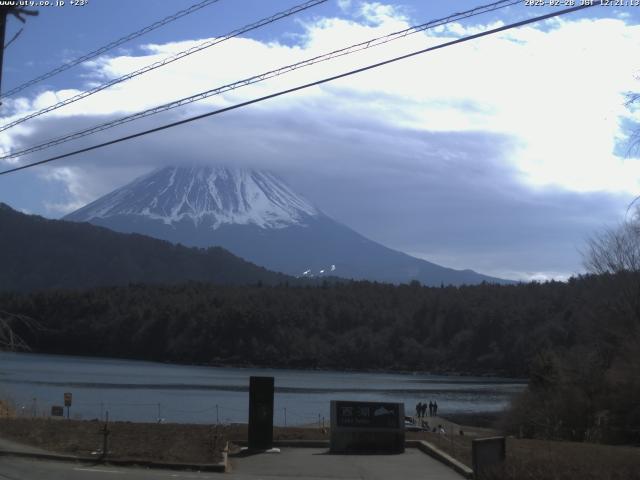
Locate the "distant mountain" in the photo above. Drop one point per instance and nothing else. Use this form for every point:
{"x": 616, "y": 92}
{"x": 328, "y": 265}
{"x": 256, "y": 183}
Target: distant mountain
{"x": 36, "y": 253}
{"x": 258, "y": 217}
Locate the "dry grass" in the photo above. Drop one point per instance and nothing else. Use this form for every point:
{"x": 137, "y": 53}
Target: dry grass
{"x": 142, "y": 441}
{"x": 6, "y": 409}
{"x": 147, "y": 441}
{"x": 549, "y": 460}
{"x": 541, "y": 459}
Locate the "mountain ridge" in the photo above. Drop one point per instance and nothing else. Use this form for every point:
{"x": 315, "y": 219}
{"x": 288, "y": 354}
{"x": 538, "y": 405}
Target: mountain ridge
{"x": 38, "y": 253}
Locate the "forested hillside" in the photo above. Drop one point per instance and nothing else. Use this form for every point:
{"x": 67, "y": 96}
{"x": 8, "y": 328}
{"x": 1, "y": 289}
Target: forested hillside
{"x": 36, "y": 253}
{"x": 361, "y": 325}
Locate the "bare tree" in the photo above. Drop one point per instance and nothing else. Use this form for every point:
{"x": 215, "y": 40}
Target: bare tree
{"x": 633, "y": 99}
{"x": 615, "y": 250}
{"x": 9, "y": 339}
{"x": 614, "y": 254}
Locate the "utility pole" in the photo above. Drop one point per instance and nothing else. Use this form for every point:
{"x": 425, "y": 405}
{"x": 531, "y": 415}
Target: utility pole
{"x": 3, "y": 26}
{"x": 105, "y": 437}
{"x": 17, "y": 12}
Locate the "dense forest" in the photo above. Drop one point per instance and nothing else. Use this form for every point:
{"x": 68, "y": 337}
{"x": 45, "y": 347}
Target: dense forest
{"x": 577, "y": 341}
{"x": 360, "y": 325}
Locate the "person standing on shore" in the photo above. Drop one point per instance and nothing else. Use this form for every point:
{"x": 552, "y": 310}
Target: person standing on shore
{"x": 435, "y": 408}
{"x": 418, "y": 409}
{"x": 430, "y": 408}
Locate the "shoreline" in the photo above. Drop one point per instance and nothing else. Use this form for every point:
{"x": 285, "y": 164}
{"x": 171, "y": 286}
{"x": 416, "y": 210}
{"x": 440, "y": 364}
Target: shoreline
{"x": 487, "y": 376}
{"x": 488, "y": 420}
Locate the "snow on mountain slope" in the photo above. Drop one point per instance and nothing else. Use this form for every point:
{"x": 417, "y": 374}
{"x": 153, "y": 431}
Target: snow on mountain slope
{"x": 208, "y": 196}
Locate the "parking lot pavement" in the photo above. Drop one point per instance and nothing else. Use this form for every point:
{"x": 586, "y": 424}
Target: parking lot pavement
{"x": 303, "y": 463}
{"x": 316, "y": 464}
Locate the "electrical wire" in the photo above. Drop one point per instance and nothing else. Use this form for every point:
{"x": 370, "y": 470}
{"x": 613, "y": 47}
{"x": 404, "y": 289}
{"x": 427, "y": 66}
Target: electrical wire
{"x": 374, "y": 42}
{"x": 304, "y": 86}
{"x": 110, "y": 46}
{"x": 148, "y": 68}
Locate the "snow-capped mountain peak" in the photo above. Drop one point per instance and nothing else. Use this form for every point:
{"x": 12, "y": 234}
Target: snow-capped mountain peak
{"x": 207, "y": 196}
{"x": 258, "y": 217}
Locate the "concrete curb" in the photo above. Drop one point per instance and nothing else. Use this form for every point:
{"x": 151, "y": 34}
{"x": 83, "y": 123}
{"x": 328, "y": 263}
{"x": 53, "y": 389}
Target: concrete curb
{"x": 221, "y": 467}
{"x": 225, "y": 458}
{"x": 441, "y": 456}
{"x": 302, "y": 443}
{"x": 49, "y": 456}
{"x": 292, "y": 443}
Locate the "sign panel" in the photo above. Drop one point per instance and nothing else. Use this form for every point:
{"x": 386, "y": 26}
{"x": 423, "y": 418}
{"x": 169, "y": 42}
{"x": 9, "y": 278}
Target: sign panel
{"x": 261, "y": 413}
{"x": 67, "y": 399}
{"x": 367, "y": 427}
{"x": 368, "y": 415}
{"x": 57, "y": 411}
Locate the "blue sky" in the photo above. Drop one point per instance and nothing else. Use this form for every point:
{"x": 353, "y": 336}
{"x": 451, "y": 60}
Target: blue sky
{"x": 501, "y": 155}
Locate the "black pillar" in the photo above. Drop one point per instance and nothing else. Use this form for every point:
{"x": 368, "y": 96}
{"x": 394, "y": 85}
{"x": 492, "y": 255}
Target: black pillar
{"x": 260, "y": 413}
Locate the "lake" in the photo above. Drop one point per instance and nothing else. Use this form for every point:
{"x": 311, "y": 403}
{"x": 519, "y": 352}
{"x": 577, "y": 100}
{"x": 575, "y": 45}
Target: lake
{"x": 146, "y": 391}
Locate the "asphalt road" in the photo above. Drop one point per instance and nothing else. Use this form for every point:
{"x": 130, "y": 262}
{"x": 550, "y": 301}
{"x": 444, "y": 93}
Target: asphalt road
{"x": 12, "y": 468}
{"x": 304, "y": 463}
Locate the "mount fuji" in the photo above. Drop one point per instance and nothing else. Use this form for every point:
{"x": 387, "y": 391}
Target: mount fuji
{"x": 256, "y": 216}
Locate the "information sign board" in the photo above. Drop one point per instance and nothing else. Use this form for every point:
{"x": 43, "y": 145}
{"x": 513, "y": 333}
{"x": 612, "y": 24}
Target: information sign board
{"x": 367, "y": 427}
{"x": 368, "y": 414}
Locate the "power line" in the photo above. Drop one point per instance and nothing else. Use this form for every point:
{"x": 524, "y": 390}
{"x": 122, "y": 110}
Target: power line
{"x": 302, "y": 87}
{"x": 168, "y": 60}
{"x": 111, "y": 46}
{"x": 374, "y": 42}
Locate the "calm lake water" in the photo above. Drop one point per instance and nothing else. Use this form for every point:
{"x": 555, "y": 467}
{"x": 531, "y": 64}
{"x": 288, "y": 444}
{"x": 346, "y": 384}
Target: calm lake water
{"x": 145, "y": 391}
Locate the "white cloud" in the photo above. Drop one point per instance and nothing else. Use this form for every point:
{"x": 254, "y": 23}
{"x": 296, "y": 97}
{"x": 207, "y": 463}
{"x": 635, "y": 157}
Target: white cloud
{"x": 559, "y": 91}
{"x": 74, "y": 186}
{"x": 71, "y": 179}
{"x": 382, "y": 14}
{"x": 344, "y": 5}
{"x": 550, "y": 89}
{"x": 62, "y": 208}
